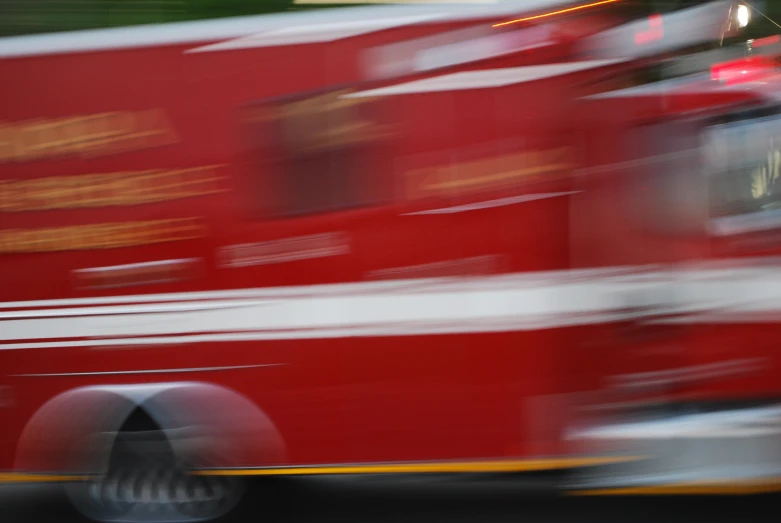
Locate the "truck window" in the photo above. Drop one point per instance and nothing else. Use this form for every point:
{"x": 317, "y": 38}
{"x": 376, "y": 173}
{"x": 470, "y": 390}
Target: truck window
{"x": 744, "y": 162}
{"x": 316, "y": 153}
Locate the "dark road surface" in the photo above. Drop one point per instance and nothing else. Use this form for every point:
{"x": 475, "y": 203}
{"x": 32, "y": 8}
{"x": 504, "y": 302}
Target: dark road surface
{"x": 373, "y": 500}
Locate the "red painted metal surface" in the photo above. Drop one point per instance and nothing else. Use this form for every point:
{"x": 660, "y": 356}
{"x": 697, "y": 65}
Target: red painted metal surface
{"x": 341, "y": 398}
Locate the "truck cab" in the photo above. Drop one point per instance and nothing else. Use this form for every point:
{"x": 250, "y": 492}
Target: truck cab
{"x": 678, "y": 181}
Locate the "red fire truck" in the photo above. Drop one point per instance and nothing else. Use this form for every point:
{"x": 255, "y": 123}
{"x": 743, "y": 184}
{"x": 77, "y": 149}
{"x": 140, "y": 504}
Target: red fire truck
{"x": 386, "y": 240}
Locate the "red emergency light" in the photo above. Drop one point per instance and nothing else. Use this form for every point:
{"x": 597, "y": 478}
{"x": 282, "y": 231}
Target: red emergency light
{"x": 748, "y": 69}
{"x": 768, "y": 40}
{"x": 654, "y": 32}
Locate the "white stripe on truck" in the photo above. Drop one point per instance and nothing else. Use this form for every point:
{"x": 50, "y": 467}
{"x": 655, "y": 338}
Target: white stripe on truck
{"x": 502, "y": 303}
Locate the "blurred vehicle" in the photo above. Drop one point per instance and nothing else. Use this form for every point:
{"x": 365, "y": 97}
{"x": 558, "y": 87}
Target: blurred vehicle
{"x": 385, "y": 240}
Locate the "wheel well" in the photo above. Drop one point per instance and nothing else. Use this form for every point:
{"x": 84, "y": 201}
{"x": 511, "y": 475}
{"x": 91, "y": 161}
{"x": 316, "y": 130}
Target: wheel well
{"x": 79, "y": 428}
{"x": 139, "y": 420}
{"x": 137, "y": 437}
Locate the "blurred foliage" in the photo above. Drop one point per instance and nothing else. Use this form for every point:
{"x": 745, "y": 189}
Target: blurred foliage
{"x": 39, "y": 16}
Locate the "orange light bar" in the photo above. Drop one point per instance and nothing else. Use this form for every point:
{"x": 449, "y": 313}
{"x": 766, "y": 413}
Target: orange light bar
{"x": 561, "y": 11}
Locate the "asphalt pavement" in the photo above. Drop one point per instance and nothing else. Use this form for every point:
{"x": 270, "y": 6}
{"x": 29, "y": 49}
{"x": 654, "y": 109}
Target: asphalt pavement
{"x": 425, "y": 500}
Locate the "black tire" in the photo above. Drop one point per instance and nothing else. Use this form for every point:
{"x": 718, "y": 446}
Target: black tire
{"x": 145, "y": 482}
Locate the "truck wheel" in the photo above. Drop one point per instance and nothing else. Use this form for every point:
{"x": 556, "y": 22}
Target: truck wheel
{"x": 145, "y": 482}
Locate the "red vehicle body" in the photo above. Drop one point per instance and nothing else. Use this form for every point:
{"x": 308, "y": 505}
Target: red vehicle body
{"x": 425, "y": 266}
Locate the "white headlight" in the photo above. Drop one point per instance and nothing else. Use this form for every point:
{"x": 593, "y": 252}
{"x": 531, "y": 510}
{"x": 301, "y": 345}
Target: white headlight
{"x": 743, "y": 15}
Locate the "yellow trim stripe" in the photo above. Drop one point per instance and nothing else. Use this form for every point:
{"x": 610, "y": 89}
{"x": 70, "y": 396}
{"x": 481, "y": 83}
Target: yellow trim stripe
{"x": 527, "y": 465}
{"x": 413, "y": 468}
{"x": 713, "y": 488}
{"x": 22, "y": 477}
